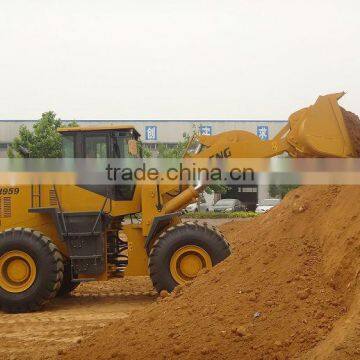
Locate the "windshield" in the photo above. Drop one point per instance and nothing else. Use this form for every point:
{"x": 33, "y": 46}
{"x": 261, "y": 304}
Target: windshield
{"x": 270, "y": 202}
{"x": 225, "y": 202}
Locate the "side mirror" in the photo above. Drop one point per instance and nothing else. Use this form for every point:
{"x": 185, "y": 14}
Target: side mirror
{"x": 133, "y": 148}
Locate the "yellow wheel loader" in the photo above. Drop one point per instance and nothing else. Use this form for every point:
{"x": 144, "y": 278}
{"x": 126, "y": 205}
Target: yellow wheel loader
{"x": 55, "y": 237}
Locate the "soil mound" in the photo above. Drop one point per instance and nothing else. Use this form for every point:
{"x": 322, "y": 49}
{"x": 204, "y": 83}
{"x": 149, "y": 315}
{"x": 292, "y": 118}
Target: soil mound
{"x": 290, "y": 289}
{"x": 352, "y": 123}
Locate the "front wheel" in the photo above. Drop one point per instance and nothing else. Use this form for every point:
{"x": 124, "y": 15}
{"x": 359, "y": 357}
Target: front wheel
{"x": 182, "y": 251}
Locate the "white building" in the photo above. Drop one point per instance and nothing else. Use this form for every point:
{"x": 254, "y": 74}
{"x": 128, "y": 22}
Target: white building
{"x": 159, "y": 131}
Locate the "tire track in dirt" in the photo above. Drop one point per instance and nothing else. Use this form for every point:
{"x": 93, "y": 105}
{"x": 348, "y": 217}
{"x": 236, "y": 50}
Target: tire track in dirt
{"x": 66, "y": 321}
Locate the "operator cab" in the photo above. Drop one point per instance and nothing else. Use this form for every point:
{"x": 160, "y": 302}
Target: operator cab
{"x": 100, "y": 142}
{"x": 119, "y": 142}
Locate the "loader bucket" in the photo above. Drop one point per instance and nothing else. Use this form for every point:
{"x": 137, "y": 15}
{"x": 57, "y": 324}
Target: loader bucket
{"x": 320, "y": 130}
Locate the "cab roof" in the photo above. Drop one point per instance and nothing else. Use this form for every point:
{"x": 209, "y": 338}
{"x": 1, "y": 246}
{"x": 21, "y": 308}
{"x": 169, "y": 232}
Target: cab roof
{"x": 98, "y": 128}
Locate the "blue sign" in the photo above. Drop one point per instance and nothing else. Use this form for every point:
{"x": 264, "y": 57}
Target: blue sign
{"x": 263, "y": 132}
{"x": 205, "y": 130}
{"x": 150, "y": 132}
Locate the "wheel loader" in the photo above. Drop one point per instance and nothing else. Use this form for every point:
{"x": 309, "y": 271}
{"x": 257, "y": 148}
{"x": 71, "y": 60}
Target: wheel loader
{"x": 53, "y": 237}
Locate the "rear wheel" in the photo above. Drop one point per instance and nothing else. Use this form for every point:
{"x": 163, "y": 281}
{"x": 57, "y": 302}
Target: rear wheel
{"x": 31, "y": 270}
{"x": 182, "y": 251}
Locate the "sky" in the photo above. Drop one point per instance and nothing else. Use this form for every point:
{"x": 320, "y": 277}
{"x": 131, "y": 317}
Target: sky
{"x": 184, "y": 59}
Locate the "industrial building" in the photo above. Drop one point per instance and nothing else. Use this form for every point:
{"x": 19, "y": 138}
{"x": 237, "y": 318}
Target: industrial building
{"x": 158, "y": 131}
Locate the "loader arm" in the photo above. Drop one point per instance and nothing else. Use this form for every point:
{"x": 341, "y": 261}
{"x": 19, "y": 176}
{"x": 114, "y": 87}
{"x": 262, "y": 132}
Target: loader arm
{"x": 316, "y": 131}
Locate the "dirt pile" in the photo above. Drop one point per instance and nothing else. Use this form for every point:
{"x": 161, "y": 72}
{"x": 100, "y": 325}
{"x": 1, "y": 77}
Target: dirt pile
{"x": 352, "y": 123}
{"x": 290, "y": 289}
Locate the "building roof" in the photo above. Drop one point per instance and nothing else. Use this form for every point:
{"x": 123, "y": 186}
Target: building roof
{"x": 98, "y": 128}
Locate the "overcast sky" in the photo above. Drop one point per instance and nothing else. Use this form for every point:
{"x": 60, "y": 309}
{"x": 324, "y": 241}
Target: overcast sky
{"x": 183, "y": 59}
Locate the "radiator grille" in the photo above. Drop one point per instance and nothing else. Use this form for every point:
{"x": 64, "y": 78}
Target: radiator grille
{"x": 5, "y": 207}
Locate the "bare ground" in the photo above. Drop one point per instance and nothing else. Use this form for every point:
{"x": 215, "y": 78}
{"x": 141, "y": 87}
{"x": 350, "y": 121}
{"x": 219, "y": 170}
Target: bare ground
{"x": 68, "y": 320}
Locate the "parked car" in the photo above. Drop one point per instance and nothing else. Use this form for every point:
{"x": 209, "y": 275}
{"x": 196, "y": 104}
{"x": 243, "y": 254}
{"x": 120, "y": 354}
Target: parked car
{"x": 266, "y": 205}
{"x": 194, "y": 206}
{"x": 229, "y": 205}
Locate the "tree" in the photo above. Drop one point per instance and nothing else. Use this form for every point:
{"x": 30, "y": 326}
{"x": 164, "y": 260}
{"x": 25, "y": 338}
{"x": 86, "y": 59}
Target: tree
{"x": 43, "y": 141}
{"x": 280, "y": 190}
{"x": 144, "y": 151}
{"x": 174, "y": 152}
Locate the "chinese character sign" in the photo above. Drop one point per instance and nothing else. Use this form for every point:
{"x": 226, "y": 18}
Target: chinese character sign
{"x": 150, "y": 132}
{"x": 263, "y": 132}
{"x": 205, "y": 130}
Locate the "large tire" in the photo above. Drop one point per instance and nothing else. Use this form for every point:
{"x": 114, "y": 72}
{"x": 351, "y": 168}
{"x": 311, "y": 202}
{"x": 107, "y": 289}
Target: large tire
{"x": 31, "y": 270}
{"x": 67, "y": 286}
{"x": 185, "y": 244}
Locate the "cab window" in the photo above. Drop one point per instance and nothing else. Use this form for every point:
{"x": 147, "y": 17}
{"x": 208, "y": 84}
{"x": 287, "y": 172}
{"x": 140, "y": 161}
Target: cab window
{"x": 68, "y": 146}
{"x": 95, "y": 146}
